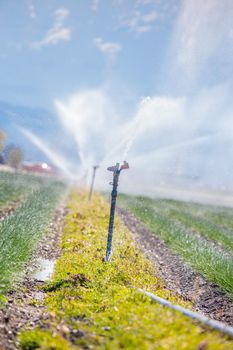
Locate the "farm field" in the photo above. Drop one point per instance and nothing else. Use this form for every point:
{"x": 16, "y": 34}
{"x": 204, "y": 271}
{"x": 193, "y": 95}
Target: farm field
{"x": 115, "y": 124}
{"x": 87, "y": 303}
{"x": 20, "y": 231}
{"x": 96, "y": 305}
{"x": 202, "y": 235}
{"x": 14, "y": 186}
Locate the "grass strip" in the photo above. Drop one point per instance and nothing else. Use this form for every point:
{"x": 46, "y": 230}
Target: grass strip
{"x": 206, "y": 228}
{"x": 20, "y": 232}
{"x": 94, "y": 304}
{"x": 213, "y": 262}
{"x": 15, "y": 185}
{"x": 221, "y": 216}
{"x": 201, "y": 219}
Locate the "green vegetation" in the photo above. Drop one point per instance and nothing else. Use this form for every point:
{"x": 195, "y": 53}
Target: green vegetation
{"x": 213, "y": 222}
{"x": 15, "y": 157}
{"x": 190, "y": 231}
{"x": 13, "y": 186}
{"x": 96, "y": 305}
{"x": 44, "y": 340}
{"x": 20, "y": 231}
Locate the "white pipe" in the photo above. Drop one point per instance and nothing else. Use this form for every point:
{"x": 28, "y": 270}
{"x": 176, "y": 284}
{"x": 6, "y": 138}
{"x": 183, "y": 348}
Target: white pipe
{"x": 194, "y": 315}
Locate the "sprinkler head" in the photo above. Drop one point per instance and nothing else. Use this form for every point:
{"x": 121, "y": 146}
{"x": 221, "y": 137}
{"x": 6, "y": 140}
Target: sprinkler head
{"x": 115, "y": 168}
{"x": 124, "y": 166}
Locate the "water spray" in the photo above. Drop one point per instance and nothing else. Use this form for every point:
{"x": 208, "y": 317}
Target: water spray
{"x": 95, "y": 167}
{"x": 116, "y": 169}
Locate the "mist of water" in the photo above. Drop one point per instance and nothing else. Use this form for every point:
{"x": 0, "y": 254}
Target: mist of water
{"x": 52, "y": 155}
{"x": 178, "y": 130}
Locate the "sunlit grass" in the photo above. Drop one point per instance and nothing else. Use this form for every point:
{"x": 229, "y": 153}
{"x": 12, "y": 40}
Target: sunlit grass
{"x": 20, "y": 232}
{"x": 178, "y": 228}
{"x": 203, "y": 220}
{"x": 14, "y": 186}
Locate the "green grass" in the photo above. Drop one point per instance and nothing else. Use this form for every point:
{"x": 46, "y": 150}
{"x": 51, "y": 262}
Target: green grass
{"x": 100, "y": 300}
{"x": 185, "y": 227}
{"x": 20, "y": 232}
{"x": 221, "y": 216}
{"x": 45, "y": 340}
{"x": 202, "y": 220}
{"x": 13, "y": 186}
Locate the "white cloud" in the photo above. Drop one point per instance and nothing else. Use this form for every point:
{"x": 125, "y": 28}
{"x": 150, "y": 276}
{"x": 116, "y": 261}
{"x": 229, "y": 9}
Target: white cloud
{"x": 150, "y": 17}
{"x": 60, "y": 15}
{"x": 110, "y": 49}
{"x": 53, "y": 37}
{"x": 57, "y": 33}
{"x": 141, "y": 23}
{"x": 145, "y": 2}
{"x": 95, "y": 5}
{"x": 32, "y": 11}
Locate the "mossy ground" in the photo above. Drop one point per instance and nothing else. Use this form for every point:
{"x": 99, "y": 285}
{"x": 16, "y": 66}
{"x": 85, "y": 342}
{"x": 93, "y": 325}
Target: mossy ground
{"x": 96, "y": 305}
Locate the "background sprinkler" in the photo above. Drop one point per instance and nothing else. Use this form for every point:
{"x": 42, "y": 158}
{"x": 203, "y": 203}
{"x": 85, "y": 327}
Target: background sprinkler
{"x": 116, "y": 169}
{"x": 92, "y": 181}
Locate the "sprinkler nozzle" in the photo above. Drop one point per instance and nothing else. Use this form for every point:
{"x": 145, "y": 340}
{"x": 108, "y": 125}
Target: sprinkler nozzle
{"x": 115, "y": 168}
{"x": 125, "y": 165}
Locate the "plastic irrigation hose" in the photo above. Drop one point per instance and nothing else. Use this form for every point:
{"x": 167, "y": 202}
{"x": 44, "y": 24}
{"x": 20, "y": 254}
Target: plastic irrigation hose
{"x": 191, "y": 314}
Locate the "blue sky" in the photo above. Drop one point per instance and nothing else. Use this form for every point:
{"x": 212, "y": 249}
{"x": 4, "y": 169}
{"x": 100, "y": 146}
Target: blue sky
{"x": 53, "y": 48}
{"x": 148, "y": 79}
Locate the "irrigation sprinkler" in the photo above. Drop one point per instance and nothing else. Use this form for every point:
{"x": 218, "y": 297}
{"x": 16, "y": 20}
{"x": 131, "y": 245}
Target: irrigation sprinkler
{"x": 95, "y": 167}
{"x": 116, "y": 169}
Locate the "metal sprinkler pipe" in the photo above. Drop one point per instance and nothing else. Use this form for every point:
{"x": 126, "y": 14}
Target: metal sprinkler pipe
{"x": 95, "y": 167}
{"x": 116, "y": 169}
{"x": 219, "y": 326}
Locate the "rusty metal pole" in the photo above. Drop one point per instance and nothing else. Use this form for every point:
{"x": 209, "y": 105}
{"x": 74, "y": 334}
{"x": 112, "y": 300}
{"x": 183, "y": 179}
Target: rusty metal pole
{"x": 95, "y": 167}
{"x": 116, "y": 173}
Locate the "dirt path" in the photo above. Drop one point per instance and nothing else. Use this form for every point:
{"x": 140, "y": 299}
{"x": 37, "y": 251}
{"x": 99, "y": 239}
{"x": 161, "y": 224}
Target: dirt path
{"x": 178, "y": 276}
{"x": 25, "y": 305}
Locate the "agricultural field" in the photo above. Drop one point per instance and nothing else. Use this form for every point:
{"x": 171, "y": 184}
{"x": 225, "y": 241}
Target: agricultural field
{"x": 36, "y": 199}
{"x": 101, "y": 100}
{"x": 14, "y": 186}
{"x": 97, "y": 305}
{"x": 202, "y": 235}
{"x": 89, "y": 303}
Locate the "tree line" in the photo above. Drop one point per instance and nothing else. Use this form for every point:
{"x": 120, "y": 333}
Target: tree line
{"x": 10, "y": 154}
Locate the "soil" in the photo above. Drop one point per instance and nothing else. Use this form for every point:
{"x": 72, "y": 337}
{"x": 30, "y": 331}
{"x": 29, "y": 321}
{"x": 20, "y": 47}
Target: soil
{"x": 25, "y": 307}
{"x": 178, "y": 276}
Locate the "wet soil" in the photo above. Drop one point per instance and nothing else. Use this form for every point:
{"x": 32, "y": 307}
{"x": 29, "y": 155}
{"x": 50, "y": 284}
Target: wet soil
{"x": 25, "y": 306}
{"x": 177, "y": 275}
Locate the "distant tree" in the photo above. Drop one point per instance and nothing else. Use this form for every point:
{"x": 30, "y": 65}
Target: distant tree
{"x": 15, "y": 158}
{"x": 7, "y": 150}
{"x": 2, "y": 161}
{"x": 2, "y": 139}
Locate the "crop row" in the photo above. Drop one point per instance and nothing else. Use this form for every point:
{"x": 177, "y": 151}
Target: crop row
{"x": 14, "y": 186}
{"x": 204, "y": 243}
{"x": 20, "y": 231}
